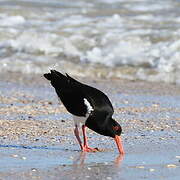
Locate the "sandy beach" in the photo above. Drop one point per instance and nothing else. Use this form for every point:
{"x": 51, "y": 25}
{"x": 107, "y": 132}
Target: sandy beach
{"x": 37, "y": 142}
{"x": 127, "y": 49}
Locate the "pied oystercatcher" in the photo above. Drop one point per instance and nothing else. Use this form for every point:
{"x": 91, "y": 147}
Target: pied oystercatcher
{"x": 89, "y": 106}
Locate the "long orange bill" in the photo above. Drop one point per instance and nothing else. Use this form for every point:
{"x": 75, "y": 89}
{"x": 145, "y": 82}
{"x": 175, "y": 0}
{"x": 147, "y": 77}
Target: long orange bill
{"x": 119, "y": 144}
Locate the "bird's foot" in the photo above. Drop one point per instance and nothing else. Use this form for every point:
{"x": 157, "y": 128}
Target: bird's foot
{"x": 88, "y": 149}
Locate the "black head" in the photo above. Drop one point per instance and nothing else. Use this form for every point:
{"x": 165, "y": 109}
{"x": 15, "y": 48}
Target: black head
{"x": 107, "y": 127}
{"x": 116, "y": 127}
{"x": 111, "y": 128}
{"x": 114, "y": 130}
{"x": 103, "y": 125}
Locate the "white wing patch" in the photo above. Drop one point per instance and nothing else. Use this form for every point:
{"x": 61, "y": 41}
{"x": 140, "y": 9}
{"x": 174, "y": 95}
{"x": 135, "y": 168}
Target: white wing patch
{"x": 80, "y": 119}
{"x": 88, "y": 105}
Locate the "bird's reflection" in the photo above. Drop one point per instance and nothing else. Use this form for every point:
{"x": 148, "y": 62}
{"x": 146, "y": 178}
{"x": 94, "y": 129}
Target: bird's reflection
{"x": 80, "y": 159}
{"x": 118, "y": 160}
{"x": 83, "y": 167}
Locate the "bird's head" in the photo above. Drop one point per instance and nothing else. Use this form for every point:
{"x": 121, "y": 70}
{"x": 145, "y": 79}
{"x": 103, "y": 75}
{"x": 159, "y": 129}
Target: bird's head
{"x": 116, "y": 128}
{"x": 107, "y": 127}
{"x": 116, "y": 131}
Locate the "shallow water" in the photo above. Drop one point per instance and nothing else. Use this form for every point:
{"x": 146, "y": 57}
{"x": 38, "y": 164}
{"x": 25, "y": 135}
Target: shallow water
{"x": 45, "y": 161}
{"x": 128, "y": 39}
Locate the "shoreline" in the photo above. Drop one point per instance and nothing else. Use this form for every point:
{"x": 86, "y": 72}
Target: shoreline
{"x": 37, "y": 139}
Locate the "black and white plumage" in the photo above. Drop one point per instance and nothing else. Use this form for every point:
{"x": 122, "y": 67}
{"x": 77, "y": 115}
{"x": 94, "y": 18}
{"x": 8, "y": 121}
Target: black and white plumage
{"x": 88, "y": 105}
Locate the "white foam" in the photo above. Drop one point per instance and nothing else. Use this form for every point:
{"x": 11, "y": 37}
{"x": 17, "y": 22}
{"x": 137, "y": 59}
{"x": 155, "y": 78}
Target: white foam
{"x": 149, "y": 6}
{"x": 12, "y": 20}
{"x": 111, "y": 1}
{"x": 46, "y": 43}
{"x": 119, "y": 51}
{"x": 73, "y": 20}
{"x": 33, "y": 41}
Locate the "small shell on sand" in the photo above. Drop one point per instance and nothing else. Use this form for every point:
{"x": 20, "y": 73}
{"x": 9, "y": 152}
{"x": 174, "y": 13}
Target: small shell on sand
{"x": 140, "y": 167}
{"x": 151, "y": 170}
{"x": 33, "y": 169}
{"x": 14, "y": 155}
{"x": 109, "y": 178}
{"x": 171, "y": 166}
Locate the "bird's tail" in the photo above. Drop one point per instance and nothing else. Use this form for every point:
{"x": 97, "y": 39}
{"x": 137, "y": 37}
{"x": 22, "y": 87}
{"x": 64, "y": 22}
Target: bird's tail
{"x": 54, "y": 75}
{"x": 48, "y": 76}
{"x": 58, "y": 80}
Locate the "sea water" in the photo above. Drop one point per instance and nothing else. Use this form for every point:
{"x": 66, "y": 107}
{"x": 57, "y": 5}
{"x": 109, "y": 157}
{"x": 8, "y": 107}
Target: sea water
{"x": 132, "y": 39}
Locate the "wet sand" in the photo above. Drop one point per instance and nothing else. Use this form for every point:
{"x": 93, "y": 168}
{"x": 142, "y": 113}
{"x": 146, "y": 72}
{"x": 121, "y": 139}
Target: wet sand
{"x": 37, "y": 142}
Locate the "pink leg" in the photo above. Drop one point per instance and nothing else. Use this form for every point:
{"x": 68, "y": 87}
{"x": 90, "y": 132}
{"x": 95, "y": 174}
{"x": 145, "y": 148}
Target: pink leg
{"x": 84, "y": 135}
{"x": 76, "y": 132}
{"x": 86, "y": 147}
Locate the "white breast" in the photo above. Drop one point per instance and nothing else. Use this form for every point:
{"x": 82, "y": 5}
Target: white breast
{"x": 79, "y": 120}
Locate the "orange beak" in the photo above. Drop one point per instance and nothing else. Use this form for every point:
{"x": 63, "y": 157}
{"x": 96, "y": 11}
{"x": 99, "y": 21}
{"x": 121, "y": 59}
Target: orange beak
{"x": 119, "y": 144}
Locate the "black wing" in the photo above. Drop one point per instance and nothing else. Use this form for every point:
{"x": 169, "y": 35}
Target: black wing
{"x": 72, "y": 94}
{"x": 96, "y": 98}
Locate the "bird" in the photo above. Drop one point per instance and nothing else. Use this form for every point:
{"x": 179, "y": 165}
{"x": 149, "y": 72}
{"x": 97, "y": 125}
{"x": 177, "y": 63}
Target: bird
{"x": 90, "y": 107}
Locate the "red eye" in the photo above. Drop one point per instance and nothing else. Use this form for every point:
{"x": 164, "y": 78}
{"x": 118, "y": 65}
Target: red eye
{"x": 116, "y": 128}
